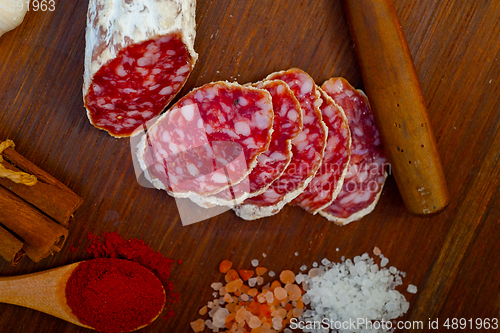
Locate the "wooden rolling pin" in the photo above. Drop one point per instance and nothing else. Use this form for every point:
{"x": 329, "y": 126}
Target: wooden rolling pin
{"x": 398, "y": 105}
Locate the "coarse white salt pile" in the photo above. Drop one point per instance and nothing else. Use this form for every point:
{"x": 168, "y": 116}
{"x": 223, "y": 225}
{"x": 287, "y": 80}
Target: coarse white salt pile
{"x": 352, "y": 291}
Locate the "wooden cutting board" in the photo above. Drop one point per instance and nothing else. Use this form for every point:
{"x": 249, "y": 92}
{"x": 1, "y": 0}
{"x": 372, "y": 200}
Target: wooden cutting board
{"x": 452, "y": 257}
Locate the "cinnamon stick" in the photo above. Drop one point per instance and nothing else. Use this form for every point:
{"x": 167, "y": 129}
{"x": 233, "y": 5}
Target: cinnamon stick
{"x": 49, "y": 195}
{"x": 41, "y": 235}
{"x": 11, "y": 248}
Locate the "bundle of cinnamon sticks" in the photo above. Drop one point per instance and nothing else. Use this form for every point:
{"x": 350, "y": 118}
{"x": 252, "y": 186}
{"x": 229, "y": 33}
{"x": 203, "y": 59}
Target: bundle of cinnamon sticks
{"x": 33, "y": 218}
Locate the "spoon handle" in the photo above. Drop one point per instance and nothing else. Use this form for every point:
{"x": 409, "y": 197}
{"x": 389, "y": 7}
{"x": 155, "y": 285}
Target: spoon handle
{"x": 43, "y": 291}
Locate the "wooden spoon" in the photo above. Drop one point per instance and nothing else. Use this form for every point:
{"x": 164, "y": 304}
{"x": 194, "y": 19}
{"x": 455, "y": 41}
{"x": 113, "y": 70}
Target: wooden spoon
{"x": 44, "y": 292}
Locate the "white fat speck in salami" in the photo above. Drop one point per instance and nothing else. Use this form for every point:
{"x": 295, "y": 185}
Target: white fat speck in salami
{"x": 307, "y": 148}
{"x": 327, "y": 183}
{"x": 271, "y": 163}
{"x": 367, "y": 168}
{"x": 138, "y": 55}
{"x": 188, "y": 161}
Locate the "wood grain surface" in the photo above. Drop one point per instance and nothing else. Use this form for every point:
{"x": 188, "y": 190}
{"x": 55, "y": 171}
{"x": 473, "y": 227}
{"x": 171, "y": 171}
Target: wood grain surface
{"x": 451, "y": 257}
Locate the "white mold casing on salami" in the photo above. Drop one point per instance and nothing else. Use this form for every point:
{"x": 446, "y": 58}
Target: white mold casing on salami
{"x": 308, "y": 149}
{"x": 272, "y": 163}
{"x": 142, "y": 51}
{"x": 207, "y": 141}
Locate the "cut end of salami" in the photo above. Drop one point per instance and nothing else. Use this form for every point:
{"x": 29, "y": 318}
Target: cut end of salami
{"x": 355, "y": 211}
{"x": 138, "y": 84}
{"x": 210, "y": 139}
{"x": 272, "y": 163}
{"x": 366, "y": 173}
{"x": 138, "y": 56}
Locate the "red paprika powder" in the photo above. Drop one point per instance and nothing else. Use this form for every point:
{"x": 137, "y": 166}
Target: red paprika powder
{"x": 114, "y": 295}
{"x": 112, "y": 245}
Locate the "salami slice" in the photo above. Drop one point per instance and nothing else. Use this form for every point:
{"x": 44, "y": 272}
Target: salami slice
{"x": 327, "y": 183}
{"x": 208, "y": 140}
{"x": 272, "y": 163}
{"x": 366, "y": 173}
{"x": 138, "y": 56}
{"x": 308, "y": 149}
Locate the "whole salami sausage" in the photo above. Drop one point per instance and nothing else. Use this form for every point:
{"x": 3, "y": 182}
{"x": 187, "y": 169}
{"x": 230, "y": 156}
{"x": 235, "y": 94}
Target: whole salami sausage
{"x": 308, "y": 150}
{"x": 138, "y": 56}
{"x": 327, "y": 183}
{"x": 272, "y": 163}
{"x": 208, "y": 140}
{"x": 366, "y": 173}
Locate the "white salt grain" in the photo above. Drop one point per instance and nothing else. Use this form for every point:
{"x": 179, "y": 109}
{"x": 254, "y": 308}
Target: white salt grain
{"x": 212, "y": 312}
{"x": 353, "y": 289}
{"x": 315, "y": 264}
{"x": 216, "y": 285}
{"x": 412, "y": 289}
{"x": 303, "y": 268}
{"x": 296, "y": 254}
{"x": 209, "y": 324}
{"x": 299, "y": 278}
{"x": 384, "y": 262}
{"x": 264, "y": 255}
{"x": 272, "y": 274}
{"x": 219, "y": 319}
{"x": 255, "y": 263}
{"x": 252, "y": 282}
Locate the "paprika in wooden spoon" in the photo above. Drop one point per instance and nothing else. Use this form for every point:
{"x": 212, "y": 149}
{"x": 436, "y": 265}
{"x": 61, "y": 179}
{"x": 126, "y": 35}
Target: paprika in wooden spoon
{"x": 106, "y": 294}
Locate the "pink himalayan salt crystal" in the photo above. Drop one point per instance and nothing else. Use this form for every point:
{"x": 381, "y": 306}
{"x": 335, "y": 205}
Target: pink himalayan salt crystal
{"x": 198, "y": 325}
{"x": 294, "y": 292}
{"x": 254, "y": 322}
{"x": 280, "y": 293}
{"x": 269, "y": 297}
{"x": 241, "y": 315}
{"x": 277, "y": 322}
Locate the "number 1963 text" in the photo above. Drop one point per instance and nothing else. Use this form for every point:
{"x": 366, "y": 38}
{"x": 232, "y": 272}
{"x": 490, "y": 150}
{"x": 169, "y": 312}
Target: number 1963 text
{"x": 33, "y": 5}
